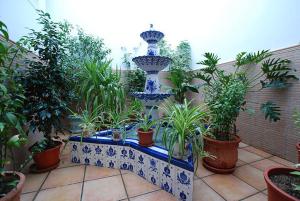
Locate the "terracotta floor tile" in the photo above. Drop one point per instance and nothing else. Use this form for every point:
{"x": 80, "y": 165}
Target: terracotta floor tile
{"x": 247, "y": 156}
{"x": 106, "y": 189}
{"x": 240, "y": 163}
{"x": 64, "y": 176}
{"x": 94, "y": 172}
{"x": 63, "y": 193}
{"x": 229, "y": 187}
{"x": 136, "y": 185}
{"x": 252, "y": 176}
{"x": 202, "y": 171}
{"x": 202, "y": 192}
{"x": 265, "y": 191}
{"x": 125, "y": 171}
{"x": 264, "y": 164}
{"x": 155, "y": 196}
{"x": 65, "y": 161}
{"x": 242, "y": 145}
{"x": 258, "y": 152}
{"x": 282, "y": 161}
{"x": 257, "y": 197}
{"x": 33, "y": 182}
{"x": 28, "y": 196}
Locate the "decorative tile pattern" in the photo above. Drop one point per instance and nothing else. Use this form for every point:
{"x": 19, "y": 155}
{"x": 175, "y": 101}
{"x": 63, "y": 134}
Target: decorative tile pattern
{"x": 171, "y": 178}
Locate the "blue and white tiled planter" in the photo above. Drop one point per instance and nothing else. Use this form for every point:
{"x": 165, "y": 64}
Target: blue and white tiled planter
{"x": 150, "y": 163}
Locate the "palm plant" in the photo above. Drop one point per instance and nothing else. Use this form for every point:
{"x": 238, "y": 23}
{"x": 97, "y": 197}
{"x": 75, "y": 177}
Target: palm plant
{"x": 186, "y": 126}
{"x": 225, "y": 92}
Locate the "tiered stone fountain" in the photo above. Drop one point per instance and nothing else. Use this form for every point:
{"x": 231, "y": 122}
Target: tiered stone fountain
{"x": 152, "y": 63}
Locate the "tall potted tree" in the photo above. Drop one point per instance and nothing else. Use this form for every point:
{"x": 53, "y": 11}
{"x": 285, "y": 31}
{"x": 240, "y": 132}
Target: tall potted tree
{"x": 45, "y": 89}
{"x": 225, "y": 94}
{"x": 11, "y": 119}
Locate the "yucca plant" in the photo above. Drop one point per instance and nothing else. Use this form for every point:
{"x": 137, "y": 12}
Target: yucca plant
{"x": 186, "y": 126}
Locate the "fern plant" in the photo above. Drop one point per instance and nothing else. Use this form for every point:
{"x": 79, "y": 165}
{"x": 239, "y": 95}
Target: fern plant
{"x": 225, "y": 92}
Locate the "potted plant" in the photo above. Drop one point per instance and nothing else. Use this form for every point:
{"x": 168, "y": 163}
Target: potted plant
{"x": 283, "y": 183}
{"x": 45, "y": 90}
{"x": 117, "y": 125}
{"x": 225, "y": 94}
{"x": 145, "y": 129}
{"x": 185, "y": 128}
{"x": 296, "y": 117}
{"x": 12, "y": 135}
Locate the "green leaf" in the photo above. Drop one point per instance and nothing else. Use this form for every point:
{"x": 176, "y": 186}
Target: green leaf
{"x": 271, "y": 111}
{"x": 2, "y": 125}
{"x": 14, "y": 141}
{"x": 11, "y": 118}
{"x": 295, "y": 173}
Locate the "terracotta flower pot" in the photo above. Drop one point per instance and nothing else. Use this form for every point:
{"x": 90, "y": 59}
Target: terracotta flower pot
{"x": 48, "y": 159}
{"x": 145, "y": 138}
{"x": 298, "y": 149}
{"x": 275, "y": 193}
{"x": 225, "y": 152}
{"x": 15, "y": 193}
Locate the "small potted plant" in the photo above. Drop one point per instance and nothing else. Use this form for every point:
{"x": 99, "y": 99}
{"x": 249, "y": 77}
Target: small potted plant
{"x": 145, "y": 129}
{"x": 296, "y": 117}
{"x": 185, "y": 128}
{"x": 225, "y": 93}
{"x": 118, "y": 120}
{"x": 12, "y": 135}
{"x": 283, "y": 183}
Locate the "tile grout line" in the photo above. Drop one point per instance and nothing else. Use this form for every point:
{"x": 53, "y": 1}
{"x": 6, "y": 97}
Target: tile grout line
{"x": 148, "y": 193}
{"x": 124, "y": 185}
{"x": 81, "y": 194}
{"x": 38, "y": 191}
{"x": 213, "y": 189}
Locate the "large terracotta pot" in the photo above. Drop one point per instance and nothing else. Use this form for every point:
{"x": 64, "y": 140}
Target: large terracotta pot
{"x": 298, "y": 149}
{"x": 225, "y": 152}
{"x": 275, "y": 193}
{"x": 48, "y": 159}
{"x": 14, "y": 194}
{"x": 145, "y": 138}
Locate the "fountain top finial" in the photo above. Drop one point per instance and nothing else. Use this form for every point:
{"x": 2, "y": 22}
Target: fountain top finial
{"x": 151, "y": 27}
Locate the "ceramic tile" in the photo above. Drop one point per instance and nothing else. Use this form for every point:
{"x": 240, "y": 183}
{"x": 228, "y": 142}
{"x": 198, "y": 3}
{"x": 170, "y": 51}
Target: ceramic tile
{"x": 28, "y": 196}
{"x": 257, "y": 197}
{"x": 240, "y": 163}
{"x": 63, "y": 193}
{"x": 264, "y": 164}
{"x": 64, "y": 176}
{"x": 152, "y": 165}
{"x": 106, "y": 189}
{"x": 167, "y": 172}
{"x": 242, "y": 145}
{"x": 94, "y": 172}
{"x": 135, "y": 185}
{"x": 183, "y": 184}
{"x": 140, "y": 161}
{"x": 257, "y": 151}
{"x": 157, "y": 196}
{"x": 252, "y": 176}
{"x": 33, "y": 182}
{"x": 201, "y": 171}
{"x": 202, "y": 192}
{"x": 247, "y": 156}
{"x": 282, "y": 161}
{"x": 229, "y": 187}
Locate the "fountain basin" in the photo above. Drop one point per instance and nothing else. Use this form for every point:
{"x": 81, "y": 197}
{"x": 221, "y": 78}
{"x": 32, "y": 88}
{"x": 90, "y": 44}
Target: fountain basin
{"x": 152, "y": 64}
{"x": 150, "y": 163}
{"x": 152, "y": 36}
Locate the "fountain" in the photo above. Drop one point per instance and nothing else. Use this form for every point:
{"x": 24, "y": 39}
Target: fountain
{"x": 152, "y": 63}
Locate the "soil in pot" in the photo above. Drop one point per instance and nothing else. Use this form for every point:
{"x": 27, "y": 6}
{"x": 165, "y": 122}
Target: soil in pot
{"x": 285, "y": 182}
{"x": 145, "y": 138}
{"x": 116, "y": 136}
{"x": 47, "y": 159}
{"x": 225, "y": 154}
{"x": 12, "y": 193}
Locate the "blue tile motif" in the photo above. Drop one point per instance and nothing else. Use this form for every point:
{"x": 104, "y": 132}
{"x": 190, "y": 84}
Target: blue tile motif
{"x": 141, "y": 173}
{"x": 141, "y": 159}
{"x": 182, "y": 196}
{"x": 111, "y": 152}
{"x": 86, "y": 149}
{"x": 125, "y": 166}
{"x": 98, "y": 150}
{"x": 124, "y": 153}
{"x": 111, "y": 164}
{"x": 99, "y": 163}
{"x": 131, "y": 154}
{"x": 151, "y": 86}
{"x": 153, "y": 167}
{"x": 166, "y": 187}
{"x": 183, "y": 178}
{"x": 167, "y": 171}
{"x": 153, "y": 180}
{"x": 86, "y": 161}
{"x": 74, "y": 147}
{"x": 75, "y": 160}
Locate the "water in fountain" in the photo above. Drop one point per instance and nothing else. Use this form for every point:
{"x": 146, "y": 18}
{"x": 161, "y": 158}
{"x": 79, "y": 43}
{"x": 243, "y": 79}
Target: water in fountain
{"x": 152, "y": 63}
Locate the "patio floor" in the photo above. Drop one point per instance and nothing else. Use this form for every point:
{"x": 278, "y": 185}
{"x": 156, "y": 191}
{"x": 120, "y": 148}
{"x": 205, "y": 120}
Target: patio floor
{"x": 72, "y": 182}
